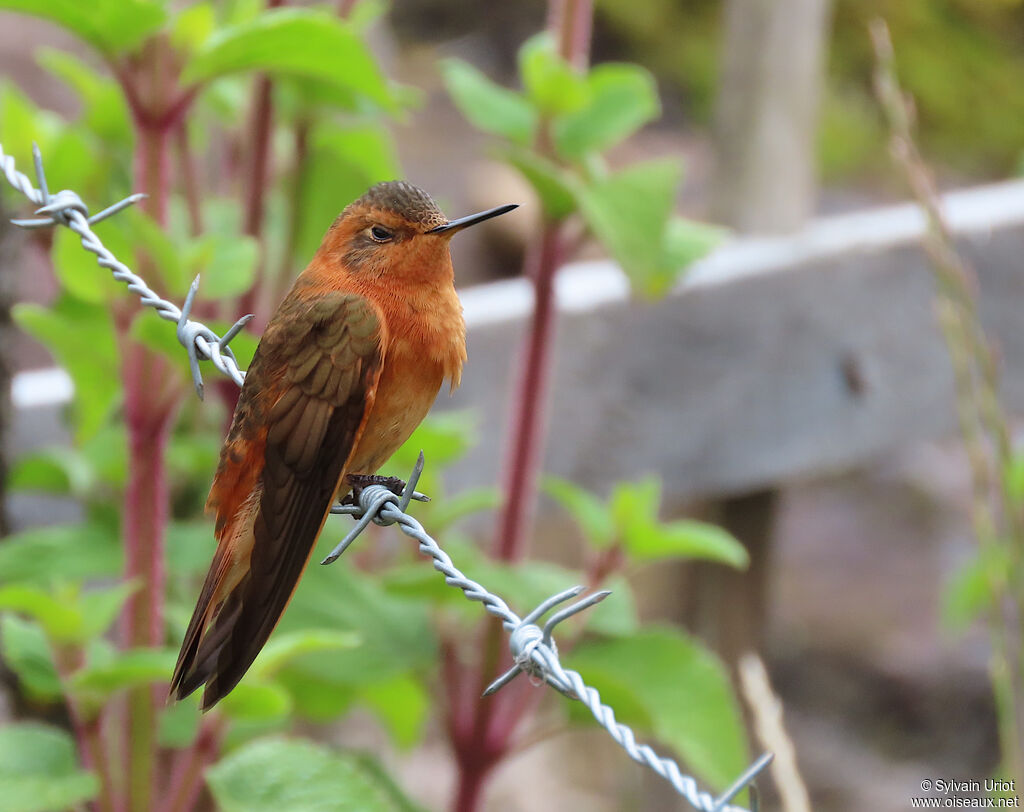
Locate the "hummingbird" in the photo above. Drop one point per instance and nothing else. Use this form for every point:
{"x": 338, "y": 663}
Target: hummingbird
{"x": 347, "y": 367}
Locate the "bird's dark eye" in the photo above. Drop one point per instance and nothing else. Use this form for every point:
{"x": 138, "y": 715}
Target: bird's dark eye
{"x": 381, "y": 234}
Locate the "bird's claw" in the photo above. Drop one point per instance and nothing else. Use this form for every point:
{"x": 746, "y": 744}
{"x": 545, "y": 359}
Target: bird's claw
{"x": 359, "y": 482}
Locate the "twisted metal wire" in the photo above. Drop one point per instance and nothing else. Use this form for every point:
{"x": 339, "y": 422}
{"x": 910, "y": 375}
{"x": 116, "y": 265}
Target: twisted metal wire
{"x": 67, "y": 209}
{"x": 533, "y": 647}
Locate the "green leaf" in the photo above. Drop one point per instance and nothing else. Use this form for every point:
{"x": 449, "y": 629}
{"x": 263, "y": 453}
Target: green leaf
{"x": 674, "y": 689}
{"x": 274, "y": 774}
{"x": 39, "y": 771}
{"x": 226, "y": 262}
{"x": 686, "y": 241}
{"x": 487, "y": 105}
{"x": 254, "y": 701}
{"x": 550, "y": 82}
{"x": 68, "y": 615}
{"x": 629, "y": 213}
{"x": 27, "y": 653}
{"x": 300, "y": 42}
{"x": 193, "y": 26}
{"x": 110, "y": 26}
{"x": 61, "y": 622}
{"x": 403, "y": 705}
{"x": 45, "y": 554}
{"x": 685, "y": 538}
{"x": 590, "y": 513}
{"x": 396, "y": 633}
{"x": 77, "y": 270}
{"x": 81, "y": 337}
{"x": 447, "y": 511}
{"x": 621, "y": 99}
{"x": 127, "y": 669}
{"x": 105, "y": 111}
{"x": 549, "y": 181}
{"x": 179, "y": 722}
{"x": 633, "y": 502}
{"x": 285, "y": 648}
{"x": 972, "y": 589}
{"x": 101, "y": 606}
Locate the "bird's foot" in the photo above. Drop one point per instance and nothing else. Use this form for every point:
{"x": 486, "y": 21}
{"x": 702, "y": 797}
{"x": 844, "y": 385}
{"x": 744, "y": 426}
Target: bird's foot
{"x": 359, "y": 482}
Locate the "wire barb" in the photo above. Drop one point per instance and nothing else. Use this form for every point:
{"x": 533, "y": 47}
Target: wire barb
{"x": 533, "y": 648}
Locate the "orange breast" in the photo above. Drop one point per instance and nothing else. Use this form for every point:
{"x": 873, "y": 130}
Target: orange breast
{"x": 407, "y": 389}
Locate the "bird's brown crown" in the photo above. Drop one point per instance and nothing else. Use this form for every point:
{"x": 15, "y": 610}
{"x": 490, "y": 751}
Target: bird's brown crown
{"x": 405, "y": 200}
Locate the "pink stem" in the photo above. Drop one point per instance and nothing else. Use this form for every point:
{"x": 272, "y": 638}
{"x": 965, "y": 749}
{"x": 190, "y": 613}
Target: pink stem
{"x": 520, "y": 484}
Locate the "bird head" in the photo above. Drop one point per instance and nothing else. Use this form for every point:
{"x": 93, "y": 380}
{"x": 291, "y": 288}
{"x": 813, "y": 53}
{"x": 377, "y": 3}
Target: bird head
{"x": 397, "y": 229}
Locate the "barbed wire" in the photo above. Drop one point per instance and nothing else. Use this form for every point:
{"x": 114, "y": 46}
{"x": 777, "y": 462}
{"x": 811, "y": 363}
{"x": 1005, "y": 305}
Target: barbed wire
{"x": 533, "y": 648}
{"x": 67, "y": 209}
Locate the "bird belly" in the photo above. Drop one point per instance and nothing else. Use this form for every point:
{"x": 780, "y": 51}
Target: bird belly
{"x": 405, "y": 393}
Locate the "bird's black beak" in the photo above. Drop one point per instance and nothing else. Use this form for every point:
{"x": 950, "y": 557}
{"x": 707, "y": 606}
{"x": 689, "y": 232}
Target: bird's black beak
{"x": 472, "y": 220}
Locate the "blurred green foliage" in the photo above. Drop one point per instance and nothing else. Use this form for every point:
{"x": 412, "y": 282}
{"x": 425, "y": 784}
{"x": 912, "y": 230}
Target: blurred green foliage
{"x": 961, "y": 60}
{"x": 365, "y": 632}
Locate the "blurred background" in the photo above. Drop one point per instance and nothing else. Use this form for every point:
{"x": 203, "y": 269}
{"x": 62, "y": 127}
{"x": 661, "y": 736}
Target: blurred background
{"x": 793, "y": 389}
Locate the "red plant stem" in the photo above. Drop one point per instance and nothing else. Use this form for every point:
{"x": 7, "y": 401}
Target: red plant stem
{"x": 152, "y": 392}
{"x": 190, "y": 184}
{"x": 520, "y": 483}
{"x": 187, "y": 777}
{"x": 261, "y": 125}
{"x": 480, "y": 738}
{"x": 67, "y": 660}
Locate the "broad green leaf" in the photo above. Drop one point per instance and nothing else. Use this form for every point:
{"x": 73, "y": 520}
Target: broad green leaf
{"x": 686, "y": 241}
{"x": 95, "y": 684}
{"x": 255, "y": 701}
{"x": 633, "y": 502}
{"x": 105, "y": 111}
{"x": 443, "y": 438}
{"x": 39, "y": 770}
{"x": 68, "y": 615}
{"x": 620, "y": 99}
{"x": 101, "y": 606}
{"x": 27, "y": 653}
{"x": 111, "y": 26}
{"x": 275, "y": 774}
{"x": 684, "y": 538}
{"x": 550, "y": 82}
{"x": 51, "y": 471}
{"x": 447, "y": 511}
{"x": 971, "y": 590}
{"x": 549, "y": 181}
{"x": 487, "y": 105}
{"x": 81, "y": 337}
{"x": 193, "y": 26}
{"x": 62, "y": 623}
{"x": 629, "y": 212}
{"x": 226, "y": 263}
{"x": 590, "y": 513}
{"x": 396, "y": 633}
{"x": 179, "y": 722}
{"x": 190, "y": 547}
{"x": 403, "y": 705}
{"x": 45, "y": 554}
{"x": 300, "y": 42}
{"x": 674, "y": 690}
{"x": 1014, "y": 476}
{"x": 77, "y": 270}
{"x": 285, "y": 648}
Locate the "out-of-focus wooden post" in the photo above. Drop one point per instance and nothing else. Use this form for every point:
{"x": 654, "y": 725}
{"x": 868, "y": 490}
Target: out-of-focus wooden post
{"x": 766, "y": 113}
{"x": 765, "y": 182}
